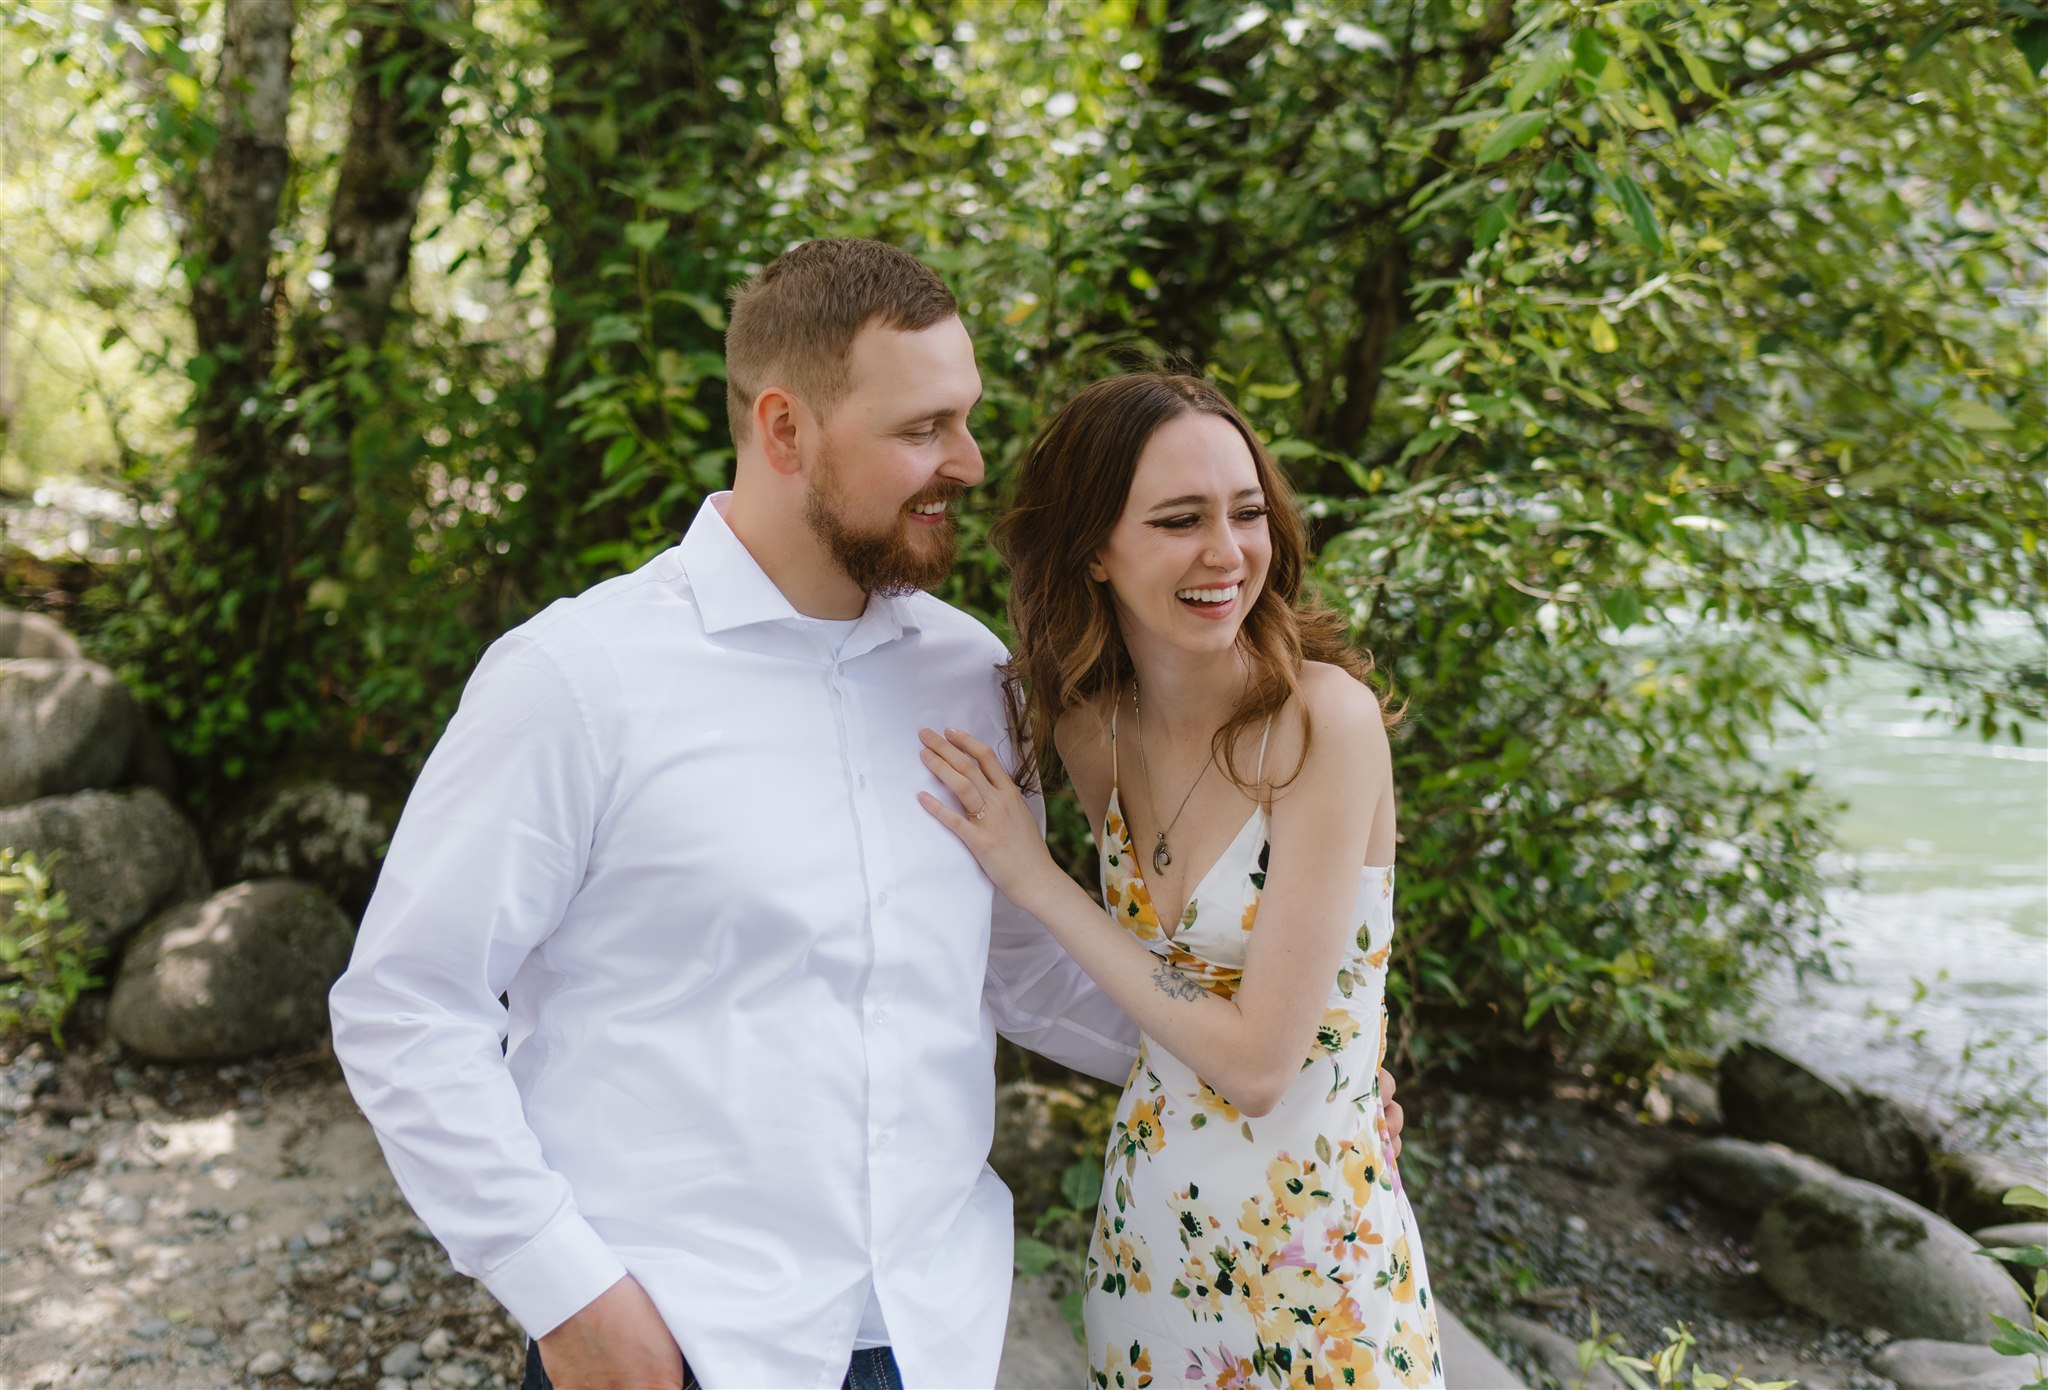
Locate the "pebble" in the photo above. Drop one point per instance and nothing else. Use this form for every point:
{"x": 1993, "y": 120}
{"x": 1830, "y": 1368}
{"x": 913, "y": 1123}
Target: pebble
{"x": 201, "y": 1337}
{"x": 238, "y": 1222}
{"x": 123, "y": 1211}
{"x": 438, "y": 1344}
{"x": 93, "y": 1377}
{"x": 151, "y": 1330}
{"x": 319, "y": 1235}
{"x": 403, "y": 1361}
{"x": 313, "y": 1370}
{"x": 395, "y": 1293}
{"x": 458, "y": 1375}
{"x": 381, "y": 1271}
{"x": 267, "y": 1363}
{"x": 297, "y": 1245}
{"x": 1576, "y": 1224}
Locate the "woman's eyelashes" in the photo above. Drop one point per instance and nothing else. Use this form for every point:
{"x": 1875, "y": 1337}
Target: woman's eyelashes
{"x": 1243, "y": 516}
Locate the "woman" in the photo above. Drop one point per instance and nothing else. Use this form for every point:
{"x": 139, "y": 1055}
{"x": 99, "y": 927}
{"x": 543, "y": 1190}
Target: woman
{"x": 1222, "y": 739}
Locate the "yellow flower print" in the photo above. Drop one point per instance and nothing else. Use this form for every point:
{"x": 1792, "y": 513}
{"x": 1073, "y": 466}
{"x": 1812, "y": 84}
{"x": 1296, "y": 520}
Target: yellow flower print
{"x": 1209, "y": 1099}
{"x": 1143, "y": 1128}
{"x": 1408, "y": 1353}
{"x": 1378, "y": 959}
{"x": 1251, "y": 915}
{"x": 1342, "y": 1340}
{"x": 1400, "y": 1275}
{"x": 1267, "y": 1235}
{"x": 1360, "y": 1162}
{"x": 1233, "y": 1372}
{"x": 1296, "y": 1185}
{"x": 1335, "y": 1032}
{"x": 1196, "y": 1288}
{"x": 1125, "y": 1368}
{"x": 1197, "y": 1224}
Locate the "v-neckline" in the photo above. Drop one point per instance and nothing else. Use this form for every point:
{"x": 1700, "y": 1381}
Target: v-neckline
{"x": 1138, "y": 882}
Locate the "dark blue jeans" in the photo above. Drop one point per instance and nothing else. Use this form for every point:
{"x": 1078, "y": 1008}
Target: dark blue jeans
{"x": 872, "y": 1369}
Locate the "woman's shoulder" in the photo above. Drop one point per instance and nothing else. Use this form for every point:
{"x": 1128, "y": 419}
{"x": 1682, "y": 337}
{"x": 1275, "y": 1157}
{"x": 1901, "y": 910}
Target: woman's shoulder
{"x": 1081, "y": 735}
{"x": 1346, "y": 717}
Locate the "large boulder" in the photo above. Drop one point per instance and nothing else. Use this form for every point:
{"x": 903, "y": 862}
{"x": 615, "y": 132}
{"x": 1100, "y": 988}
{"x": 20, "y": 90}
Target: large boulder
{"x": 32, "y": 634}
{"x": 243, "y": 973}
{"x": 121, "y": 857}
{"x": 1767, "y": 1096}
{"x": 1039, "y": 1349}
{"x": 1862, "y": 1256}
{"x": 1746, "y": 1176}
{"x": 1970, "y": 1188}
{"x": 65, "y": 726}
{"x": 1919, "y": 1364}
{"x": 1469, "y": 1364}
{"x": 309, "y": 829}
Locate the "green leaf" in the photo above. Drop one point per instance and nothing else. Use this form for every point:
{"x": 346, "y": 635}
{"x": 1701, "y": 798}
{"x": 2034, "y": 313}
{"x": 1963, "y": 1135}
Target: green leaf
{"x": 2034, "y": 1256}
{"x": 1540, "y": 72}
{"x": 1975, "y": 415}
{"x": 1514, "y": 132}
{"x": 1641, "y": 215}
{"x": 645, "y": 236}
{"x": 184, "y": 89}
{"x": 1493, "y": 220}
{"x": 2025, "y": 1196}
{"x": 2014, "y": 1340}
{"x": 1702, "y": 76}
{"x": 1589, "y": 52}
{"x": 1034, "y": 1256}
{"x": 1713, "y": 148}
{"x": 1600, "y": 334}
{"x": 2032, "y": 41}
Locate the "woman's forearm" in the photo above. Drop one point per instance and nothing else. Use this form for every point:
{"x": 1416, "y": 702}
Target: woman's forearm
{"x": 1249, "y": 1066}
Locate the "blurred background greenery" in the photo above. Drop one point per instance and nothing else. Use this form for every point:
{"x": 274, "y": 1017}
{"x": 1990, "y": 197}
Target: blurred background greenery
{"x": 1645, "y": 366}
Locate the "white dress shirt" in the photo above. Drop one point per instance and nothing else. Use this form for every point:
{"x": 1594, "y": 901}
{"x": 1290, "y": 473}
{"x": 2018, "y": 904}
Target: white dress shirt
{"x": 754, "y": 987}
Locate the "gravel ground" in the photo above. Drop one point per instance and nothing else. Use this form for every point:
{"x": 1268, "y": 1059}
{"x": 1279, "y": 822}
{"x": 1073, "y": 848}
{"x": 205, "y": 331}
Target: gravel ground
{"x": 1561, "y": 1208}
{"x": 187, "y": 1228}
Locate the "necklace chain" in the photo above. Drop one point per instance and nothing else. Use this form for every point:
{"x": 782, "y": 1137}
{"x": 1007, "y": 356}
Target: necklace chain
{"x": 1161, "y": 855}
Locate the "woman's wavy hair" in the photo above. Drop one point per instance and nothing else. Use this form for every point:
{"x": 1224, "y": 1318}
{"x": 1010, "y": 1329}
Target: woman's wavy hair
{"x": 1069, "y": 492}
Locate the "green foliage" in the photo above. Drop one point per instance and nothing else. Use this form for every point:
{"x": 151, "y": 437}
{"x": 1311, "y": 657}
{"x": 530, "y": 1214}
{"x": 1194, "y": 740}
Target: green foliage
{"x": 45, "y": 959}
{"x": 1664, "y": 1369}
{"x": 2012, "y": 1339}
{"x": 1640, "y": 364}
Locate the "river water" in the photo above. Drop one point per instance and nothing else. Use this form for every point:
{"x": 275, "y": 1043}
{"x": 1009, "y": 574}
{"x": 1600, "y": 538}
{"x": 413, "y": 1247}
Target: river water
{"x": 1939, "y": 989}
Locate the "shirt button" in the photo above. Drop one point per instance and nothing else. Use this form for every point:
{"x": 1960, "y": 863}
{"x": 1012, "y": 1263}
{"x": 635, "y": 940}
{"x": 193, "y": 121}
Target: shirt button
{"x": 882, "y": 898}
{"x": 861, "y": 779}
{"x": 882, "y": 1139}
{"x": 880, "y": 1015}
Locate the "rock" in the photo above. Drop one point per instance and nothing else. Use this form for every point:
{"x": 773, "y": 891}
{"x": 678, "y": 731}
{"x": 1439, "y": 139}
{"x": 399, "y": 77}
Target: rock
{"x": 310, "y": 829}
{"x": 1038, "y": 1347}
{"x": 313, "y": 1370}
{"x": 267, "y": 1363}
{"x": 1765, "y": 1095}
{"x": 458, "y": 1375}
{"x": 33, "y": 634}
{"x": 1862, "y": 1256}
{"x": 438, "y": 1344}
{"x": 151, "y": 1330}
{"x": 319, "y": 1235}
{"x": 2013, "y": 1234}
{"x": 1692, "y": 1099}
{"x": 1920, "y": 1364}
{"x": 1746, "y": 1176}
{"x": 1555, "y": 1353}
{"x": 123, "y": 1211}
{"x": 65, "y": 726}
{"x": 1469, "y": 1364}
{"x": 395, "y": 1294}
{"x": 201, "y": 1337}
{"x": 243, "y": 973}
{"x": 120, "y": 856}
{"x": 403, "y": 1361}
{"x": 381, "y": 1271}
{"x": 1970, "y": 1188}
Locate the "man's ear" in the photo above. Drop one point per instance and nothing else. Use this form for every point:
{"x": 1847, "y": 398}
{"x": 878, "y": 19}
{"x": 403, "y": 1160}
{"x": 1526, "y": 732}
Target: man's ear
{"x": 776, "y": 415}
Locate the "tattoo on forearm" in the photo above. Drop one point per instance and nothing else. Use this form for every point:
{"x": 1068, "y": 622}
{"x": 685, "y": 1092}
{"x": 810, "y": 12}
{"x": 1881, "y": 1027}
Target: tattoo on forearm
{"x": 1173, "y": 982}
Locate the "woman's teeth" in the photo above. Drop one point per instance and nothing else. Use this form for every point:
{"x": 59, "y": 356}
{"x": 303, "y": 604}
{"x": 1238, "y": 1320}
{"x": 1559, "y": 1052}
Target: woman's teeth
{"x": 1208, "y": 595}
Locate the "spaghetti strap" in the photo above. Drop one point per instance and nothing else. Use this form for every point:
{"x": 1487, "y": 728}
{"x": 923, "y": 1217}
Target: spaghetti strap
{"x": 1263, "y": 741}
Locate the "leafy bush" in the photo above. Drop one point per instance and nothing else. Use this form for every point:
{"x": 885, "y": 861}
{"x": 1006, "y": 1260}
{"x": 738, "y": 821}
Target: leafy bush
{"x": 45, "y": 961}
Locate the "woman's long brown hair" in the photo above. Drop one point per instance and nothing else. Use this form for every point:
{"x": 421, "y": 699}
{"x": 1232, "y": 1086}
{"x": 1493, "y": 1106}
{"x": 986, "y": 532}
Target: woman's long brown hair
{"x": 1070, "y": 490}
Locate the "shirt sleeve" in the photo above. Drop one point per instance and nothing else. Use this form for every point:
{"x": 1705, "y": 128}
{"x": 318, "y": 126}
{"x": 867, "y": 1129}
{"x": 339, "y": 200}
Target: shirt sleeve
{"x": 487, "y": 855}
{"x": 1043, "y": 1001}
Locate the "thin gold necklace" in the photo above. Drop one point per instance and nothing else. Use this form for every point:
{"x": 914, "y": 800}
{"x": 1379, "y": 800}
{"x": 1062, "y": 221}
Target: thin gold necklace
{"x": 1161, "y": 855}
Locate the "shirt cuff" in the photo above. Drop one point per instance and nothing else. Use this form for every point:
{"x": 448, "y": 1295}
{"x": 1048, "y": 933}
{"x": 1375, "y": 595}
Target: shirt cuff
{"x": 555, "y": 1275}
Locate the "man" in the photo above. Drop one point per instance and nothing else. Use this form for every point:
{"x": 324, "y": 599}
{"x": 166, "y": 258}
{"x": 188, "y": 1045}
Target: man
{"x": 737, "y": 1131}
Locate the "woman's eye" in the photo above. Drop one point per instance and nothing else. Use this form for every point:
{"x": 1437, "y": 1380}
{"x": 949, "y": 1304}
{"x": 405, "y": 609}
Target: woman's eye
{"x": 1179, "y": 523}
{"x": 1251, "y": 514}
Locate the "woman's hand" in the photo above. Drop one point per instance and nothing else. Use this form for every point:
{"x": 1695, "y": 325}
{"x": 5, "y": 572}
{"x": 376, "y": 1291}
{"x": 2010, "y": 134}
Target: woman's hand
{"x": 994, "y": 820}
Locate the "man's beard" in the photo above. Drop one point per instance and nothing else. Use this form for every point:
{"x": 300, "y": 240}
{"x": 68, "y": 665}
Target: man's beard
{"x": 883, "y": 561}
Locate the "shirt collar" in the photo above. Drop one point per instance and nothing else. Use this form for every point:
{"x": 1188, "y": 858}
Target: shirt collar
{"x": 732, "y": 590}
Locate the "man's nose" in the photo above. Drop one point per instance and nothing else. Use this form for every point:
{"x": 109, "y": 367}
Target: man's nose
{"x": 963, "y": 461}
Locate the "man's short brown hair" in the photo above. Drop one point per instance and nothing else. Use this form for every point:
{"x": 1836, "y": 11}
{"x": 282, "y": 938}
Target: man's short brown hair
{"x": 794, "y": 323}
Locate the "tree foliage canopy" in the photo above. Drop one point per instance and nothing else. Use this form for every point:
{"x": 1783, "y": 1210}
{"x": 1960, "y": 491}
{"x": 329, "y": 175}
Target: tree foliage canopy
{"x": 1639, "y": 362}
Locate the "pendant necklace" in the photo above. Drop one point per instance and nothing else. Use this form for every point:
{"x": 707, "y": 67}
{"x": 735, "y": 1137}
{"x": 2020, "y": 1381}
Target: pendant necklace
{"x": 1161, "y": 855}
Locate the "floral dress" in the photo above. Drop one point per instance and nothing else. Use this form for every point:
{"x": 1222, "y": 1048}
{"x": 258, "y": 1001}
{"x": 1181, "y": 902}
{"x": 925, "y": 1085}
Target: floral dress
{"x": 1236, "y": 1252}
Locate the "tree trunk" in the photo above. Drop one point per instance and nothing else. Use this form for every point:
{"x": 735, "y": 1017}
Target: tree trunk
{"x": 227, "y": 262}
{"x": 395, "y": 120}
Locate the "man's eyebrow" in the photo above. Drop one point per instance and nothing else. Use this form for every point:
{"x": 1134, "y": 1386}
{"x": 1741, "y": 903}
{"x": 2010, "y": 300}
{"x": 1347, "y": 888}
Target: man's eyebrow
{"x": 945, "y": 412}
{"x": 1194, "y": 499}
